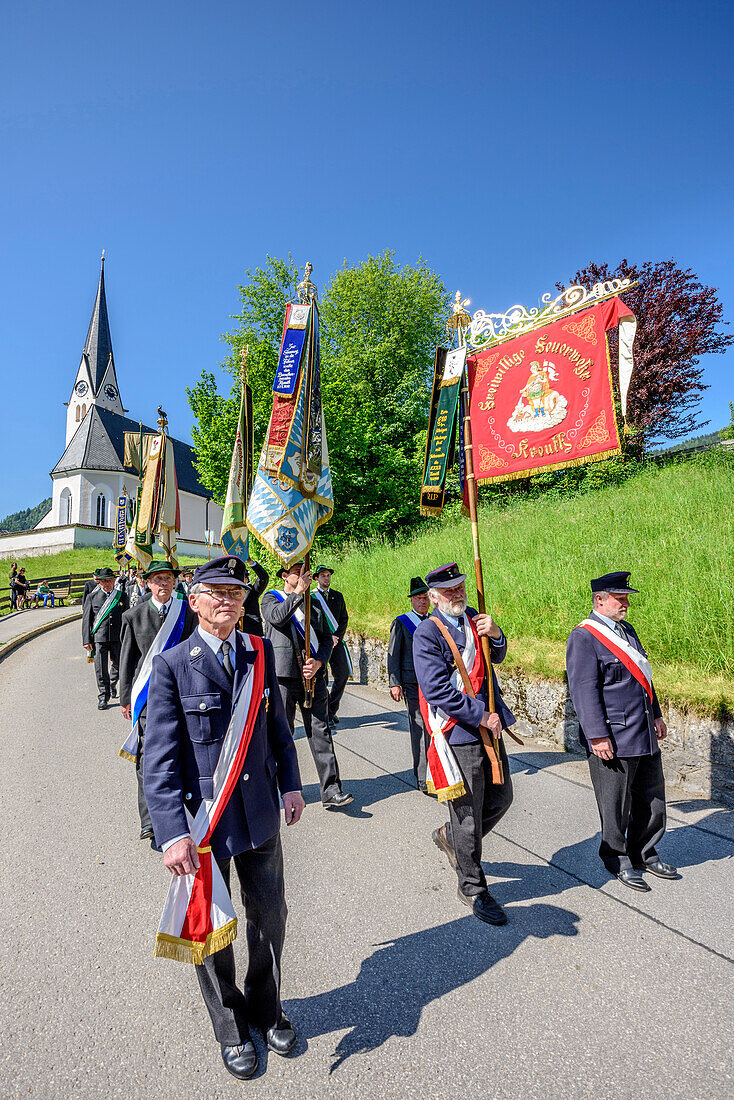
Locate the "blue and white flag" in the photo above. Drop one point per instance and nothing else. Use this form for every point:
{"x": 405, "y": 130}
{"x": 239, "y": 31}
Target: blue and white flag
{"x": 168, "y": 636}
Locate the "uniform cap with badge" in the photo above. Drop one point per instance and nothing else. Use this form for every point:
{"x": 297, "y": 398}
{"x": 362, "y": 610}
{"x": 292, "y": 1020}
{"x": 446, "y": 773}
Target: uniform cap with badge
{"x": 618, "y": 583}
{"x": 224, "y": 570}
{"x": 446, "y": 576}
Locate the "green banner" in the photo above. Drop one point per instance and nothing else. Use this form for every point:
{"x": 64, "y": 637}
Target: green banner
{"x": 441, "y": 433}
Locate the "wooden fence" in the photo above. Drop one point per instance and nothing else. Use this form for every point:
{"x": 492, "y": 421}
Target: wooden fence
{"x": 74, "y": 581}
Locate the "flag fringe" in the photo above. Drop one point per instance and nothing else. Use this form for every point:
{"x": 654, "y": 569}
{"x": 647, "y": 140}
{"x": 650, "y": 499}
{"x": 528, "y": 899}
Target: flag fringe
{"x": 186, "y": 951}
{"x": 127, "y": 756}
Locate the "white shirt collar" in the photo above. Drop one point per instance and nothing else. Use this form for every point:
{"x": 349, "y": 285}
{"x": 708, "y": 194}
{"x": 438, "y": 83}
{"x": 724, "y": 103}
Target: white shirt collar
{"x": 611, "y": 623}
{"x": 452, "y": 620}
{"x": 215, "y": 644}
{"x": 160, "y": 606}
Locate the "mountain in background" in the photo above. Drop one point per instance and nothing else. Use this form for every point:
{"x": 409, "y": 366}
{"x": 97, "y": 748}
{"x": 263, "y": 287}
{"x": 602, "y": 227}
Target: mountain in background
{"x": 27, "y": 519}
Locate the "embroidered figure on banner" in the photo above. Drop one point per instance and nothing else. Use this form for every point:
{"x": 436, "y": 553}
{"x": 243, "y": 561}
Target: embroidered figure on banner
{"x": 287, "y": 538}
{"x": 539, "y": 406}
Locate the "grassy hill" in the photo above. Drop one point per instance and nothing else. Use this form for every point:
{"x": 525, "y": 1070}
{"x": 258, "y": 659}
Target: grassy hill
{"x": 673, "y": 527}
{"x": 69, "y": 561}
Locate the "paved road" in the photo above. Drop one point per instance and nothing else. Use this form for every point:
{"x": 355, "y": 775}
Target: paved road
{"x": 396, "y": 990}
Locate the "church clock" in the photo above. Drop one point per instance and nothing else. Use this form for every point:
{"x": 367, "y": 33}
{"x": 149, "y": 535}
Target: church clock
{"x": 110, "y": 392}
{"x": 81, "y": 387}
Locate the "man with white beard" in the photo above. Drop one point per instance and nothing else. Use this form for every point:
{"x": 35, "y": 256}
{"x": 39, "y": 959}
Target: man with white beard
{"x": 449, "y": 710}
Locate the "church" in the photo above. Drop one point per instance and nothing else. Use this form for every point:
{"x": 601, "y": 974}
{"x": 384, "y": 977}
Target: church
{"x": 91, "y": 473}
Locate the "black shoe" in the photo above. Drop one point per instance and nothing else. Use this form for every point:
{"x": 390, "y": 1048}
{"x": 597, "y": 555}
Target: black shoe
{"x": 631, "y": 877}
{"x": 484, "y": 907}
{"x": 333, "y": 719}
{"x": 661, "y": 870}
{"x": 337, "y": 801}
{"x": 281, "y": 1039}
{"x": 102, "y": 703}
{"x": 240, "y": 1061}
{"x": 439, "y": 838}
{"x": 113, "y": 691}
{"x": 147, "y": 833}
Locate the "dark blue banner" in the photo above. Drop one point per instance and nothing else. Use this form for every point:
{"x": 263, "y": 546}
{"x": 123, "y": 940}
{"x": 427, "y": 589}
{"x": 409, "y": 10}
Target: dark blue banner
{"x": 286, "y": 376}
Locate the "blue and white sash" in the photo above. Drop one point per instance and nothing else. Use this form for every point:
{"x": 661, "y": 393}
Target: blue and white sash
{"x": 410, "y": 621}
{"x": 333, "y": 627}
{"x": 168, "y": 636}
{"x": 298, "y": 620}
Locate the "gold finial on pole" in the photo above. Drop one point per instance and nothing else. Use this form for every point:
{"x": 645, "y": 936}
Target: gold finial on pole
{"x": 103, "y": 255}
{"x": 306, "y": 290}
{"x": 460, "y": 318}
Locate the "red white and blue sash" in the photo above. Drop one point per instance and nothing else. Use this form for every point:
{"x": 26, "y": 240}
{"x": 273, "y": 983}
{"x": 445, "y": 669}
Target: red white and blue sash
{"x": 198, "y": 917}
{"x": 333, "y": 627}
{"x": 298, "y": 620}
{"x": 634, "y": 661}
{"x": 443, "y": 777}
{"x": 168, "y": 636}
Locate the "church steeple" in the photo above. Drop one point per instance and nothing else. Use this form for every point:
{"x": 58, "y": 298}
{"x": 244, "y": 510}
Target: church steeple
{"x": 96, "y": 380}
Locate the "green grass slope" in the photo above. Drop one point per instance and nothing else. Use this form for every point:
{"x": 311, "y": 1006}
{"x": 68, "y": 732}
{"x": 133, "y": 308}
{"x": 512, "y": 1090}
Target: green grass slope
{"x": 673, "y": 527}
{"x": 69, "y": 561}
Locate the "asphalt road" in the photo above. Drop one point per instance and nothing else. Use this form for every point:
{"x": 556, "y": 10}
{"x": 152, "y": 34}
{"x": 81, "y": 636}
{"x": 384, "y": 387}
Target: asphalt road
{"x": 396, "y": 990}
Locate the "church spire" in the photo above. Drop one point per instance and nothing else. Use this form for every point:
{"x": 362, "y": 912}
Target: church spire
{"x": 98, "y": 344}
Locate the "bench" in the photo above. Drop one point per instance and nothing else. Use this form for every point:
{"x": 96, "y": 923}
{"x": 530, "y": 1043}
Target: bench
{"x": 60, "y": 593}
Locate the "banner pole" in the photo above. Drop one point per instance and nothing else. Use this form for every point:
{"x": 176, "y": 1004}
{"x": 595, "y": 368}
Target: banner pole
{"x": 307, "y": 683}
{"x": 458, "y": 319}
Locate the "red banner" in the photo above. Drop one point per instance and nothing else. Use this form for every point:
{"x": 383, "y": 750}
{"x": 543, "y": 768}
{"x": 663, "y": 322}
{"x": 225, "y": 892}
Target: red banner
{"x": 544, "y": 400}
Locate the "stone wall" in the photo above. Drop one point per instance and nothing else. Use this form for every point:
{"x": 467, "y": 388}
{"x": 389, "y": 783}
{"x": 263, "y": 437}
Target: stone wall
{"x": 698, "y": 753}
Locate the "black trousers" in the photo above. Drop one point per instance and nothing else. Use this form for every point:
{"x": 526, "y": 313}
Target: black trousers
{"x": 106, "y": 661}
{"x": 145, "y": 822}
{"x": 419, "y": 739}
{"x": 260, "y": 872}
{"x": 473, "y": 815}
{"x": 316, "y": 724}
{"x": 340, "y": 675}
{"x": 630, "y": 794}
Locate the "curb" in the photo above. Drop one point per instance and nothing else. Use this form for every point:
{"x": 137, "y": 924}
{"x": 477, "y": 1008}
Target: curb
{"x": 15, "y": 643}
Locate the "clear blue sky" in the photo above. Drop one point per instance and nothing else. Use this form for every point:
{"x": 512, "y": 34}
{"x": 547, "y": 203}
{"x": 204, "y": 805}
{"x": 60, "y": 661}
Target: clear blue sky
{"x": 508, "y": 144}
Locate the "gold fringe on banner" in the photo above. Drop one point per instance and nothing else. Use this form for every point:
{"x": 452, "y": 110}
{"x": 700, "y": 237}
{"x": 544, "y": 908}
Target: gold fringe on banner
{"x": 447, "y": 793}
{"x": 127, "y": 756}
{"x": 171, "y": 947}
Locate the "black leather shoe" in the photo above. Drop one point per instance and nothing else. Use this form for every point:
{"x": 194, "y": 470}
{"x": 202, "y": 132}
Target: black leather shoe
{"x": 113, "y": 691}
{"x": 484, "y": 907}
{"x": 439, "y": 838}
{"x": 281, "y": 1039}
{"x": 102, "y": 703}
{"x": 661, "y": 870}
{"x": 338, "y": 801}
{"x": 333, "y": 719}
{"x": 147, "y": 833}
{"x": 633, "y": 878}
{"x": 240, "y": 1061}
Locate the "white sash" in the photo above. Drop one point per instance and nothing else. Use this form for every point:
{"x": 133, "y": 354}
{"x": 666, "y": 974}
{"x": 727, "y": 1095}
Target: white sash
{"x": 437, "y": 720}
{"x": 334, "y": 627}
{"x": 299, "y": 620}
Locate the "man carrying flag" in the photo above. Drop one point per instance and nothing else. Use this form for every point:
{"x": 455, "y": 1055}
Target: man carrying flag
{"x": 101, "y": 624}
{"x": 621, "y": 723}
{"x": 148, "y": 628}
{"x": 218, "y": 751}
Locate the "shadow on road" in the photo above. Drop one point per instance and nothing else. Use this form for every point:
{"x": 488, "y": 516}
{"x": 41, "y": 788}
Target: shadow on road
{"x": 527, "y": 763}
{"x": 402, "y": 976}
{"x": 367, "y": 792}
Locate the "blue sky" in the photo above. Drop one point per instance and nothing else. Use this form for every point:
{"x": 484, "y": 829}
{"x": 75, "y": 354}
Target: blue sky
{"x": 506, "y": 144}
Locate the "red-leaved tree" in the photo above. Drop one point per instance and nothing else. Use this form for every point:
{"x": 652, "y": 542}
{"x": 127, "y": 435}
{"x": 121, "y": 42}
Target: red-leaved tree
{"x": 678, "y": 320}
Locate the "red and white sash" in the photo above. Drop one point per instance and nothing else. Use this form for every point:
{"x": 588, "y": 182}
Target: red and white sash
{"x": 443, "y": 777}
{"x": 634, "y": 661}
{"x": 198, "y": 918}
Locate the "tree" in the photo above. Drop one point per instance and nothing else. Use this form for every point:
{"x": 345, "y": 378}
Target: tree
{"x": 678, "y": 320}
{"x": 27, "y": 519}
{"x": 380, "y": 324}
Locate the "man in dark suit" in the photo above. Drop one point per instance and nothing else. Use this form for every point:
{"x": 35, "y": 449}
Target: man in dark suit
{"x": 282, "y": 614}
{"x": 190, "y": 704}
{"x": 621, "y": 724}
{"x": 473, "y": 814}
{"x": 338, "y": 662}
{"x": 104, "y": 642}
{"x": 251, "y": 619}
{"x": 401, "y": 674}
{"x": 90, "y": 585}
{"x": 140, "y": 626}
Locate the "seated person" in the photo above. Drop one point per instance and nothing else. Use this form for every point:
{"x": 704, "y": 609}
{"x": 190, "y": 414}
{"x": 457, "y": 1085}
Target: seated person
{"x": 43, "y": 592}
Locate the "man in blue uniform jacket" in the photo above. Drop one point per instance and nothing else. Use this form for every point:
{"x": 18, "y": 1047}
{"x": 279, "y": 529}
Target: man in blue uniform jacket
{"x": 620, "y": 725}
{"x": 472, "y": 815}
{"x": 190, "y": 700}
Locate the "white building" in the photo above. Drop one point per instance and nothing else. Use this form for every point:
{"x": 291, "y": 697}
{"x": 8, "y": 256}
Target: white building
{"x": 91, "y": 474}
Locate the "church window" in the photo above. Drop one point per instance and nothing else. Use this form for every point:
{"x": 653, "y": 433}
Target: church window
{"x": 65, "y": 509}
{"x": 101, "y": 510}
{"x": 78, "y": 413}
{"x": 84, "y": 411}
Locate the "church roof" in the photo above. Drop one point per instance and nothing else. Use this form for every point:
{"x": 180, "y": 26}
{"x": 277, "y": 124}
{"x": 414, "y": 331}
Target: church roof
{"x": 98, "y": 344}
{"x": 99, "y": 444}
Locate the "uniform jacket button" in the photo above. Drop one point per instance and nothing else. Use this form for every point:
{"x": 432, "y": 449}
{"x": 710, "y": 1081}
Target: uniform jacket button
{"x": 245, "y": 776}
{"x": 187, "y": 796}
{"x": 202, "y": 706}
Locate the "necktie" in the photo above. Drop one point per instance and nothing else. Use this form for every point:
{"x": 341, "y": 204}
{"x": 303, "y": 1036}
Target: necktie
{"x": 162, "y": 613}
{"x": 620, "y": 630}
{"x": 226, "y": 663}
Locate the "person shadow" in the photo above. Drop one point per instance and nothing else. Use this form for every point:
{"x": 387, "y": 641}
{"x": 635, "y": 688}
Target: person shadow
{"x": 524, "y": 762}
{"x": 366, "y": 792}
{"x": 391, "y": 720}
{"x": 403, "y": 975}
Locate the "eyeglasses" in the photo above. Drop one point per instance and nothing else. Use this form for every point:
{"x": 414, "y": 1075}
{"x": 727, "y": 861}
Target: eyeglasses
{"x": 219, "y": 595}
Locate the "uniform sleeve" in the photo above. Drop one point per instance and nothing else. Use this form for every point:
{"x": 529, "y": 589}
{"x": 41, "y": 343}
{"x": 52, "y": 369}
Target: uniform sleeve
{"x": 129, "y": 657}
{"x": 162, "y": 780}
{"x": 433, "y": 672}
{"x": 259, "y": 585}
{"x": 343, "y": 618}
{"x": 583, "y": 683}
{"x": 395, "y": 654}
{"x": 277, "y": 612}
{"x": 279, "y": 733}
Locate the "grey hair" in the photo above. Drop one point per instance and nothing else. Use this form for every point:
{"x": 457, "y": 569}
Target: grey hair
{"x": 196, "y": 589}
{"x": 602, "y": 595}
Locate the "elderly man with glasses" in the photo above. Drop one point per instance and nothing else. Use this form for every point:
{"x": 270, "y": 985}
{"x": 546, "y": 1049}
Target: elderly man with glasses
{"x": 193, "y": 689}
